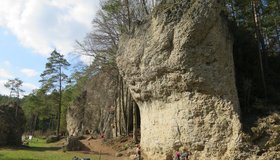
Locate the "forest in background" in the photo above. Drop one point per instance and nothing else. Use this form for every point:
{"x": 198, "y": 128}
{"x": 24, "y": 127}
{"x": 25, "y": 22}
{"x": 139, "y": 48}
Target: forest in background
{"x": 256, "y": 31}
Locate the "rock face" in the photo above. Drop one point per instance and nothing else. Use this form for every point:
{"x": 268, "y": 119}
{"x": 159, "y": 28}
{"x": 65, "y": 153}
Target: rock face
{"x": 179, "y": 68}
{"x": 91, "y": 112}
{"x": 11, "y": 125}
{"x": 73, "y": 144}
{"x": 266, "y": 135}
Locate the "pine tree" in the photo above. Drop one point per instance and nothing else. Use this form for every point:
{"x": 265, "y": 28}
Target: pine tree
{"x": 53, "y": 79}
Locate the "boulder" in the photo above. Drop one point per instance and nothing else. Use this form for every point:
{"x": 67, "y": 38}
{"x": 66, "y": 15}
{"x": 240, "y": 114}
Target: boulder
{"x": 73, "y": 144}
{"x": 52, "y": 138}
{"x": 12, "y": 123}
{"x": 119, "y": 154}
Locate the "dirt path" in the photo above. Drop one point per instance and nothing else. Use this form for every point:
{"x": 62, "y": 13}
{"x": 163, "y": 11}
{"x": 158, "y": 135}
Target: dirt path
{"x": 105, "y": 152}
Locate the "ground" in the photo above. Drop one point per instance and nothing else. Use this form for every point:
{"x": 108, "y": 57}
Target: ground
{"x": 101, "y": 149}
{"x": 108, "y": 149}
{"x": 39, "y": 150}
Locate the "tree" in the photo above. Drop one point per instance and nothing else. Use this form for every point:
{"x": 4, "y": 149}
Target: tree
{"x": 116, "y": 17}
{"x": 260, "y": 18}
{"x": 15, "y": 89}
{"x": 53, "y": 79}
{"x": 5, "y": 100}
{"x": 14, "y": 86}
{"x": 32, "y": 105}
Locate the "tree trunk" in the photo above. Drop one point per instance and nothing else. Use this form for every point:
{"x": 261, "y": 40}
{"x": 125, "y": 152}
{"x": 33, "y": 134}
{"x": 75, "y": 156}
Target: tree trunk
{"x": 59, "y": 103}
{"x": 34, "y": 123}
{"x": 128, "y": 14}
{"x": 116, "y": 118}
{"x": 134, "y": 122}
{"x": 120, "y": 104}
{"x": 123, "y": 106}
{"x": 232, "y": 8}
{"x": 145, "y": 6}
{"x": 277, "y": 32}
{"x": 50, "y": 123}
{"x": 262, "y": 51}
{"x": 128, "y": 108}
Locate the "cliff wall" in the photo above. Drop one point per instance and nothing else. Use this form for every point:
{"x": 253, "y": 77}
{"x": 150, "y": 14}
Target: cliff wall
{"x": 179, "y": 69}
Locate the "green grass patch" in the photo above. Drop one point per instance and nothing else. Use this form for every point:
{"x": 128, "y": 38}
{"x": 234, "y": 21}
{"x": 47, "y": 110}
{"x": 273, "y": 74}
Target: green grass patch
{"x": 38, "y": 149}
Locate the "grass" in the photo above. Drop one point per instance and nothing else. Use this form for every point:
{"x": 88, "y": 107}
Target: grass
{"x": 39, "y": 150}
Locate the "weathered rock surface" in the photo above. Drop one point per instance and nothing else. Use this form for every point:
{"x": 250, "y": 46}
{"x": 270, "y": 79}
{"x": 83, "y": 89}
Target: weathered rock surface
{"x": 91, "y": 113}
{"x": 11, "y": 125}
{"x": 52, "y": 139}
{"x": 266, "y": 136}
{"x": 179, "y": 69}
{"x": 73, "y": 144}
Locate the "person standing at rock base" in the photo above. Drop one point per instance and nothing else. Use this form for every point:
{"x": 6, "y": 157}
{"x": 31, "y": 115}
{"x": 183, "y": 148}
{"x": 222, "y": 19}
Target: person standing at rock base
{"x": 185, "y": 154}
{"x": 177, "y": 155}
{"x": 138, "y": 152}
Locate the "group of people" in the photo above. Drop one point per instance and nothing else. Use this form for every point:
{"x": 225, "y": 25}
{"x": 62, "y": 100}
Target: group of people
{"x": 77, "y": 158}
{"x": 184, "y": 155}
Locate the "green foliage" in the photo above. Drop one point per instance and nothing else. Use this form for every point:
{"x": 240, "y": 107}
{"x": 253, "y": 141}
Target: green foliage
{"x": 256, "y": 50}
{"x": 54, "y": 79}
{"x": 39, "y": 109}
{"x": 41, "y": 106}
{"x": 53, "y": 75}
{"x": 112, "y": 6}
{"x": 5, "y": 100}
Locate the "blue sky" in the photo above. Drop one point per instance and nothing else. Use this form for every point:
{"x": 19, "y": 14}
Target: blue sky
{"x": 31, "y": 29}
{"x": 18, "y": 62}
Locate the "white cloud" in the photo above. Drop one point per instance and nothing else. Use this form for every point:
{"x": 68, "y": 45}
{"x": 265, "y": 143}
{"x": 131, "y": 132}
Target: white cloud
{"x": 3, "y": 89}
{"x": 47, "y": 24}
{"x": 28, "y": 87}
{"x": 5, "y": 74}
{"x": 7, "y": 63}
{"x": 86, "y": 59}
{"x": 29, "y": 72}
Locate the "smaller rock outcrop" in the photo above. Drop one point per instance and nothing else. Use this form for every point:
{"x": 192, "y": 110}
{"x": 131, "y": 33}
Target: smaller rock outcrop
{"x": 74, "y": 144}
{"x": 266, "y": 135}
{"x": 11, "y": 125}
{"x": 91, "y": 112}
{"x": 52, "y": 139}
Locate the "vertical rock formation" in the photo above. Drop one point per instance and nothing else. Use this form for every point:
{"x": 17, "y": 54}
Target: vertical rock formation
{"x": 91, "y": 112}
{"x": 179, "y": 68}
{"x": 11, "y": 125}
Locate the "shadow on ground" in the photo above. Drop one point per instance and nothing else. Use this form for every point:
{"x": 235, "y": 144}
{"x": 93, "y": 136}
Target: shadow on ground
{"x": 43, "y": 149}
{"x": 38, "y": 149}
{"x": 96, "y": 153}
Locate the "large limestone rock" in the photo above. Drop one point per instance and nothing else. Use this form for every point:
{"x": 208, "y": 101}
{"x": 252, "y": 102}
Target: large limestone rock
{"x": 11, "y": 125}
{"x": 91, "y": 113}
{"x": 179, "y": 68}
